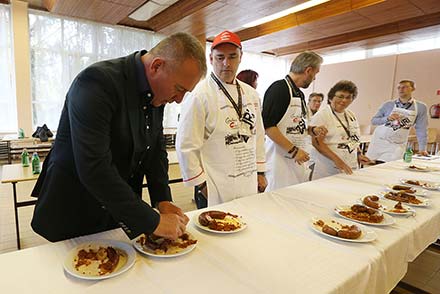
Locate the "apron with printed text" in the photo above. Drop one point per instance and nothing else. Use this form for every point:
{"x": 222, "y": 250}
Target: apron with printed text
{"x": 282, "y": 170}
{"x": 389, "y": 140}
{"x": 344, "y": 142}
{"x": 229, "y": 154}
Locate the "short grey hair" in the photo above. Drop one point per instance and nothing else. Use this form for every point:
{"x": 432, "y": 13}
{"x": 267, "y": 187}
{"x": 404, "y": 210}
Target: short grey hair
{"x": 179, "y": 47}
{"x": 304, "y": 60}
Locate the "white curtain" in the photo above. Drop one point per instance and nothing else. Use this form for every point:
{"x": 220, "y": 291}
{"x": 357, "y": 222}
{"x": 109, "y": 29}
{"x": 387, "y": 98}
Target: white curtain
{"x": 62, "y": 47}
{"x": 8, "y": 113}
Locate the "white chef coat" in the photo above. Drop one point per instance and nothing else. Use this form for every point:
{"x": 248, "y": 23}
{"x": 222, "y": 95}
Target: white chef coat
{"x": 337, "y": 140}
{"x": 213, "y": 145}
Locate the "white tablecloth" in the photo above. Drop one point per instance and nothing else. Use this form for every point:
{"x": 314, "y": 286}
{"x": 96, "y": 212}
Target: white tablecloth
{"x": 277, "y": 253}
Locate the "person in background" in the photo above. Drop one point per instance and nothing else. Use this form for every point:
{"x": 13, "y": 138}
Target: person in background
{"x": 394, "y": 120}
{"x": 339, "y": 150}
{"x": 220, "y": 137}
{"x": 285, "y": 118}
{"x": 249, "y": 77}
{"x": 109, "y": 137}
{"x": 315, "y": 100}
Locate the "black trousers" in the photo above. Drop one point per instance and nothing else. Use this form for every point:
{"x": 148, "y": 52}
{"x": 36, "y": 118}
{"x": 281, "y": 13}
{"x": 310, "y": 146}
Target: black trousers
{"x": 200, "y": 199}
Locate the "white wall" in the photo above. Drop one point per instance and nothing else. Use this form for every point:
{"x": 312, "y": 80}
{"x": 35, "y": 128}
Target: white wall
{"x": 377, "y": 80}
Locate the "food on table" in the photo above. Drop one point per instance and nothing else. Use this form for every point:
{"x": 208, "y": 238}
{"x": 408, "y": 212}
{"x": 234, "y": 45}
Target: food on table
{"x": 339, "y": 230}
{"x": 422, "y": 184}
{"x": 220, "y": 221}
{"x": 398, "y": 208}
{"x": 416, "y": 167}
{"x": 106, "y": 257}
{"x": 163, "y": 246}
{"x": 403, "y": 197}
{"x": 372, "y": 201}
{"x": 406, "y": 189}
{"x": 363, "y": 213}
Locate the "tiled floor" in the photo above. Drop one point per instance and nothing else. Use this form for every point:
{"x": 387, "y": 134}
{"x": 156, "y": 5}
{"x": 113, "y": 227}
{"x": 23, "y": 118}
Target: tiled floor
{"x": 423, "y": 273}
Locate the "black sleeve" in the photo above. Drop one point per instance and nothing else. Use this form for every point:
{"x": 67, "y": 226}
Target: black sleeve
{"x": 275, "y": 103}
{"x": 157, "y": 173}
{"x": 91, "y": 106}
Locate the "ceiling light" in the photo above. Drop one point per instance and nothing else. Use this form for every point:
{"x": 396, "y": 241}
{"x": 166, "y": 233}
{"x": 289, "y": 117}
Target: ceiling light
{"x": 150, "y": 9}
{"x": 288, "y": 11}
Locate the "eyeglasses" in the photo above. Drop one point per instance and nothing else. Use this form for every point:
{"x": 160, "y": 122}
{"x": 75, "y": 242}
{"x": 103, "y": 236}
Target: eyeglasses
{"x": 349, "y": 97}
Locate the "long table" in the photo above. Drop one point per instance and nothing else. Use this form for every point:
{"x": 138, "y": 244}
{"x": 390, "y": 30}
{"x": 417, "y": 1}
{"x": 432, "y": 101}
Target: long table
{"x": 278, "y": 252}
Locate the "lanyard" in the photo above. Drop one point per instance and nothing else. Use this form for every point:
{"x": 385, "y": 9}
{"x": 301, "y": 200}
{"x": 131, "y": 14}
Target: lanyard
{"x": 406, "y": 105}
{"x": 298, "y": 94}
{"x": 238, "y": 107}
{"x": 346, "y": 128}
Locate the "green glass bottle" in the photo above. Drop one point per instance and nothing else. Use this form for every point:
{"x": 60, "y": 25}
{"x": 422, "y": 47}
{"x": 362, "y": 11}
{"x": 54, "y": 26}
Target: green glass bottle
{"x": 407, "y": 156}
{"x": 24, "y": 158}
{"x": 35, "y": 163}
{"x": 20, "y": 133}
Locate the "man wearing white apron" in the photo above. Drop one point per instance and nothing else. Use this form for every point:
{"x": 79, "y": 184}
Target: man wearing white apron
{"x": 285, "y": 118}
{"x": 394, "y": 120}
{"x": 220, "y": 138}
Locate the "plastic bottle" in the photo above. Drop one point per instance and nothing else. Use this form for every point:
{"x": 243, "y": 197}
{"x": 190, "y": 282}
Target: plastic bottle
{"x": 20, "y": 133}
{"x": 407, "y": 156}
{"x": 24, "y": 158}
{"x": 35, "y": 163}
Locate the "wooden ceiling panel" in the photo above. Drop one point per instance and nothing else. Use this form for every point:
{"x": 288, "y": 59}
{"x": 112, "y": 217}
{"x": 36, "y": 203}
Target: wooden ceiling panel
{"x": 339, "y": 24}
{"x": 390, "y": 11}
{"x": 428, "y": 6}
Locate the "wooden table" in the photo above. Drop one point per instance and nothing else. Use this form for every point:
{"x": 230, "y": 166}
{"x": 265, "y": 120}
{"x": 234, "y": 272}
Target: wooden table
{"x": 15, "y": 173}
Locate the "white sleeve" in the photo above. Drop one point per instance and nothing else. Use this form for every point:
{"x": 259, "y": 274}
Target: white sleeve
{"x": 261, "y": 151}
{"x": 190, "y": 138}
{"x": 318, "y": 119}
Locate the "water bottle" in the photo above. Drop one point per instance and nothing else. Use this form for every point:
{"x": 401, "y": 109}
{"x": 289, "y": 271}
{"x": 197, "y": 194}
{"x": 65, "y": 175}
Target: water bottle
{"x": 407, "y": 157}
{"x": 20, "y": 133}
{"x": 24, "y": 158}
{"x": 35, "y": 163}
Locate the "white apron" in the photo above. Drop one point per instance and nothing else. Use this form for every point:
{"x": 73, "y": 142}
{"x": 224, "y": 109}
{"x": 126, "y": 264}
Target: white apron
{"x": 229, "y": 154}
{"x": 389, "y": 140}
{"x": 282, "y": 170}
{"x": 340, "y": 143}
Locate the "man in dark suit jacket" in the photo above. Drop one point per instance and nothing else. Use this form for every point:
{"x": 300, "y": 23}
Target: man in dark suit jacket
{"x": 109, "y": 137}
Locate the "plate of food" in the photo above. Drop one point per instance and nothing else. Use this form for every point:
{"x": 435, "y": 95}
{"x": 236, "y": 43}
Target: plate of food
{"x": 153, "y": 245}
{"x": 220, "y": 222}
{"x": 343, "y": 230}
{"x": 407, "y": 189}
{"x": 423, "y": 184}
{"x": 421, "y": 168}
{"x": 97, "y": 260}
{"x": 390, "y": 207}
{"x": 364, "y": 214}
{"x": 406, "y": 198}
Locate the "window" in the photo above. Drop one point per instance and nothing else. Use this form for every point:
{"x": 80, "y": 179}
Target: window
{"x": 62, "y": 47}
{"x": 8, "y": 113}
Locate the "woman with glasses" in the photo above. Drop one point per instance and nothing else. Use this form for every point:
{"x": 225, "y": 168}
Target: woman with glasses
{"x": 338, "y": 151}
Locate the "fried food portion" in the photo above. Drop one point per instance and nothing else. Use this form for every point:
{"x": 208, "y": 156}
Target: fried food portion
{"x": 339, "y": 230}
{"x": 107, "y": 257}
{"x": 163, "y": 246}
{"x": 371, "y": 201}
{"x": 406, "y": 189}
{"x": 219, "y": 220}
{"x": 403, "y": 197}
{"x": 363, "y": 213}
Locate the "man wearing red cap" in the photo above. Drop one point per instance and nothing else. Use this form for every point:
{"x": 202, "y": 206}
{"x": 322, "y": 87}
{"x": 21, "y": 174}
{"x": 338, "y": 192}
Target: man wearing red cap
{"x": 220, "y": 138}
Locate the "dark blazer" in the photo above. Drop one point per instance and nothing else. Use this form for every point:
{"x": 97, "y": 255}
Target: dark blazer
{"x": 91, "y": 180}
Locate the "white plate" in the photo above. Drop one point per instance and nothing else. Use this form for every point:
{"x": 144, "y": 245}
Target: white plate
{"x": 367, "y": 235}
{"x": 387, "y": 219}
{"x": 421, "y": 168}
{"x": 151, "y": 252}
{"x": 387, "y": 204}
{"x": 424, "y": 184}
{"x": 126, "y": 260}
{"x": 239, "y": 219}
{"x": 419, "y": 191}
{"x": 425, "y": 202}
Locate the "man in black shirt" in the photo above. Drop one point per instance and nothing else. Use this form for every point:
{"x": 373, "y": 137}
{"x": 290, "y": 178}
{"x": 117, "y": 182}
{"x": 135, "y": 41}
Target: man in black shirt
{"x": 285, "y": 118}
{"x": 109, "y": 137}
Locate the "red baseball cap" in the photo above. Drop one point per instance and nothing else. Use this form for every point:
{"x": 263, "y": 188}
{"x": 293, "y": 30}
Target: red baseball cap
{"x": 226, "y": 37}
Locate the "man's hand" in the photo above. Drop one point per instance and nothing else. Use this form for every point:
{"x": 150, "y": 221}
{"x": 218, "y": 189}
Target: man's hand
{"x": 301, "y": 156}
{"x": 171, "y": 226}
{"x": 262, "y": 183}
{"x": 393, "y": 116}
{"x": 319, "y": 131}
{"x": 166, "y": 207}
{"x": 423, "y": 153}
{"x": 342, "y": 166}
{"x": 363, "y": 159}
